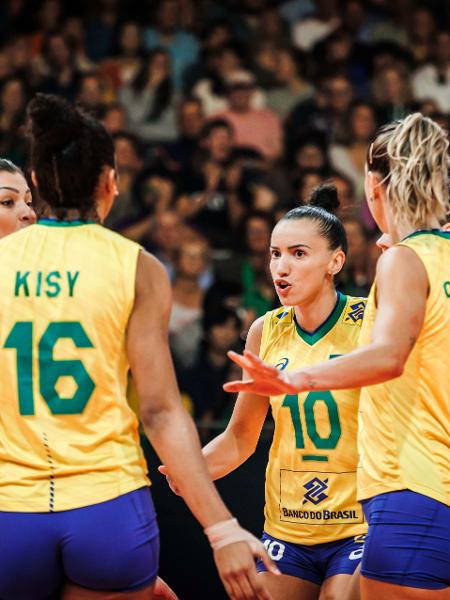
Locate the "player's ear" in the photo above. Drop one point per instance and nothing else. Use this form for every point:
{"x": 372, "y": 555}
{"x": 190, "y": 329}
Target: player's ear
{"x": 113, "y": 180}
{"x": 336, "y": 263}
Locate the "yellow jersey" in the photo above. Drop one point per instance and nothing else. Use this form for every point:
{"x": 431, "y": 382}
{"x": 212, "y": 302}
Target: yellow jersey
{"x": 67, "y": 435}
{"x": 311, "y": 473}
{"x": 404, "y": 430}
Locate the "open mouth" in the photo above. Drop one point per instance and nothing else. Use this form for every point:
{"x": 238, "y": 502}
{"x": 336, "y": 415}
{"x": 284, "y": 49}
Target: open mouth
{"x": 282, "y": 285}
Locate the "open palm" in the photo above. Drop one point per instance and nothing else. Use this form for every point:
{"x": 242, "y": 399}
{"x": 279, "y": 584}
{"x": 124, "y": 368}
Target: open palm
{"x": 264, "y": 379}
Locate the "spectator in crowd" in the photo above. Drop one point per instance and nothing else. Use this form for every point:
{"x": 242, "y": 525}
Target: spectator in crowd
{"x": 48, "y": 20}
{"x": 432, "y": 81}
{"x": 129, "y": 164}
{"x": 57, "y": 69}
{"x": 310, "y": 152}
{"x": 165, "y": 239}
{"x": 258, "y": 291}
{"x": 13, "y": 100}
{"x": 346, "y": 194}
{"x": 114, "y": 118}
{"x": 310, "y": 30}
{"x": 150, "y": 100}
{"x": 128, "y": 57}
{"x": 354, "y": 278}
{"x": 326, "y": 113}
{"x": 103, "y": 20}
{"x": 303, "y": 185}
{"x": 73, "y": 30}
{"x": 203, "y": 380}
{"x": 421, "y": 34}
{"x": 187, "y": 306}
{"x": 92, "y": 94}
{"x": 182, "y": 46}
{"x": 20, "y": 58}
{"x": 210, "y": 202}
{"x": 211, "y": 89}
{"x": 190, "y": 119}
{"x": 291, "y": 87}
{"x": 392, "y": 93}
{"x": 259, "y": 129}
{"x": 350, "y": 158}
{"x": 264, "y": 64}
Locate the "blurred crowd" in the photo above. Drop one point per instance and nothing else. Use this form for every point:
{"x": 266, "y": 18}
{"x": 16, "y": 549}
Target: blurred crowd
{"x": 226, "y": 114}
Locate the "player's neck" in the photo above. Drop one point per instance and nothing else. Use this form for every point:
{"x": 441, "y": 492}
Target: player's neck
{"x": 316, "y": 311}
{"x": 403, "y": 230}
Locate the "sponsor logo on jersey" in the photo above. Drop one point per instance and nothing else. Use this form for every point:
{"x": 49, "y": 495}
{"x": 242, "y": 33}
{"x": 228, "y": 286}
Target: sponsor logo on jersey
{"x": 354, "y": 312}
{"x": 282, "y": 363}
{"x": 282, "y": 315}
{"x": 321, "y": 515}
{"x": 315, "y": 491}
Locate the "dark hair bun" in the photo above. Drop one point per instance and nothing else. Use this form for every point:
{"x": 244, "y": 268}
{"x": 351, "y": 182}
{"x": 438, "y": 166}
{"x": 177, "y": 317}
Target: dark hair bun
{"x": 325, "y": 196}
{"x": 54, "y": 121}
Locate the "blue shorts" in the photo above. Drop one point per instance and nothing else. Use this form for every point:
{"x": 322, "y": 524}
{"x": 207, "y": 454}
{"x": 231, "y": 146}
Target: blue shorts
{"x": 317, "y": 562}
{"x": 408, "y": 542}
{"x": 111, "y": 546}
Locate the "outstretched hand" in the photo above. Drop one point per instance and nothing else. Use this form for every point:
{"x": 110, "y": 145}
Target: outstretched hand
{"x": 264, "y": 379}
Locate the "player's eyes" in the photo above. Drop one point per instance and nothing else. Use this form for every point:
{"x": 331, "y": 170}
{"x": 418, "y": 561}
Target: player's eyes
{"x": 299, "y": 253}
{"x": 7, "y": 202}
{"x": 275, "y": 253}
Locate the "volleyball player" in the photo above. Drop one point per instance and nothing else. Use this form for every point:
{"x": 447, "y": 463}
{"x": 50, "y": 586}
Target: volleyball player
{"x": 16, "y": 206}
{"x": 314, "y": 527}
{"x": 78, "y": 305}
{"x": 404, "y": 429}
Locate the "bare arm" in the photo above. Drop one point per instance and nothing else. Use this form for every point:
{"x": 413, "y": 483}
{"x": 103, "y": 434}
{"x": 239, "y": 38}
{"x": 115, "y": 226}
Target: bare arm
{"x": 174, "y": 437}
{"x": 231, "y": 448}
{"x": 402, "y": 290}
{"x": 166, "y": 423}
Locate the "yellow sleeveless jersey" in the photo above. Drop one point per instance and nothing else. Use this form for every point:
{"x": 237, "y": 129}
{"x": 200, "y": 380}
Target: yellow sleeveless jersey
{"x": 404, "y": 430}
{"x": 67, "y": 435}
{"x": 311, "y": 473}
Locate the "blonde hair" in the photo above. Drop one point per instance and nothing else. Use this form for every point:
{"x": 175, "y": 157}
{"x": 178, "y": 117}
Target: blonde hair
{"x": 412, "y": 157}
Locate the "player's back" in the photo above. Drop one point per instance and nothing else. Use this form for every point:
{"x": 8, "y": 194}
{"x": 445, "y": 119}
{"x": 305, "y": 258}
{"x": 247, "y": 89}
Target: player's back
{"x": 67, "y": 436}
{"x": 311, "y": 474}
{"x": 404, "y": 434}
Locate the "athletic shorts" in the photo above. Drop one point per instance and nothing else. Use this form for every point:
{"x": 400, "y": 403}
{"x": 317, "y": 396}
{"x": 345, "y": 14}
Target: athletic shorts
{"x": 111, "y": 546}
{"x": 408, "y": 542}
{"x": 317, "y": 562}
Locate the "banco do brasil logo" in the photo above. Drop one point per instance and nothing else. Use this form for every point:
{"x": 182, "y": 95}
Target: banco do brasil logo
{"x": 315, "y": 491}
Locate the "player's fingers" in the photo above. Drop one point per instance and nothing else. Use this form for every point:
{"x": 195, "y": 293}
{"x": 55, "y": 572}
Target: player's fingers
{"x": 238, "y": 386}
{"x": 259, "y": 591}
{"x": 245, "y": 587}
{"x": 259, "y": 365}
{"x": 240, "y": 360}
{"x": 230, "y": 588}
{"x": 261, "y": 553}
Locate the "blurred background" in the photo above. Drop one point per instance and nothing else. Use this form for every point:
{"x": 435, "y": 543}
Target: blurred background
{"x": 226, "y": 114}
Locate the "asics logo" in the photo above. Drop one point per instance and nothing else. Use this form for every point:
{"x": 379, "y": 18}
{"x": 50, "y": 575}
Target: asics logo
{"x": 282, "y": 363}
{"x": 315, "y": 491}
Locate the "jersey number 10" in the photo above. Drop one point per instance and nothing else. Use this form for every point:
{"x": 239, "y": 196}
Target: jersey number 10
{"x": 50, "y": 370}
{"x": 321, "y": 443}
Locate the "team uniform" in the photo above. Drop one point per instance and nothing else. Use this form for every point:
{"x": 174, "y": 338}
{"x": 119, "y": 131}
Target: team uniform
{"x": 314, "y": 526}
{"x": 404, "y": 442}
{"x": 74, "y": 495}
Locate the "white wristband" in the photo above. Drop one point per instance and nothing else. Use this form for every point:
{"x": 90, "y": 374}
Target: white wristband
{"x": 229, "y": 532}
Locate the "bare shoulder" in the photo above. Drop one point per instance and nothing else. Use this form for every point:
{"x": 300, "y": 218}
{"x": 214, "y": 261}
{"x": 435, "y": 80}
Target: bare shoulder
{"x": 152, "y": 283}
{"x": 401, "y": 272}
{"x": 401, "y": 262}
{"x": 254, "y": 335}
